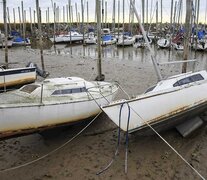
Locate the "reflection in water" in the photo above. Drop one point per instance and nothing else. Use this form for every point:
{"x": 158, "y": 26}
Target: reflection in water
{"x": 141, "y": 55}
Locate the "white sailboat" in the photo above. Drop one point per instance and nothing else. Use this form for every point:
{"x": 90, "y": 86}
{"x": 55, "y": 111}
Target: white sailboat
{"x": 170, "y": 102}
{"x": 16, "y": 76}
{"x": 179, "y": 98}
{"x": 125, "y": 40}
{"x": 51, "y": 103}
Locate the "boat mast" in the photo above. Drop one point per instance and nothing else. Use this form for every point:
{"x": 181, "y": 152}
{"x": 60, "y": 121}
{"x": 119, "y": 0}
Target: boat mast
{"x": 6, "y": 34}
{"x": 187, "y": 33}
{"x": 158, "y": 73}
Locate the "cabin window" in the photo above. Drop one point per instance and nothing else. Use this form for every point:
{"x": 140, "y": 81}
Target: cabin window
{"x": 29, "y": 88}
{"x": 187, "y": 80}
{"x": 150, "y": 89}
{"x": 69, "y": 91}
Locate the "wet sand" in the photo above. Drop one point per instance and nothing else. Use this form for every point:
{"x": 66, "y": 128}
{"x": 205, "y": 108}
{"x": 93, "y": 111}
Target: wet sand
{"x": 148, "y": 158}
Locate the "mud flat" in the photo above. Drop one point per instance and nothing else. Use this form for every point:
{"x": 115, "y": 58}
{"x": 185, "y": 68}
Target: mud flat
{"x": 149, "y": 157}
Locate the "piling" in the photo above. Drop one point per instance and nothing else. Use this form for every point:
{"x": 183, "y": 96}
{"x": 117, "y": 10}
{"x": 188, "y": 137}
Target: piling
{"x": 6, "y": 33}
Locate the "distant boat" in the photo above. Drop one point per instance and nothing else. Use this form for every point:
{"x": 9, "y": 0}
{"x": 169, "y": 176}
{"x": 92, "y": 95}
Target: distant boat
{"x": 168, "y": 103}
{"x": 53, "y": 102}
{"x": 90, "y": 38}
{"x": 163, "y": 43}
{"x": 125, "y": 40}
{"x": 140, "y": 42}
{"x": 71, "y": 36}
{"x": 16, "y": 76}
{"x": 107, "y": 40}
{"x": 19, "y": 41}
{"x": 2, "y": 41}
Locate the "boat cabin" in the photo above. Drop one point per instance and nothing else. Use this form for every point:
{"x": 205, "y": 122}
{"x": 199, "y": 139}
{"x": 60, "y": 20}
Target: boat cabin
{"x": 178, "y": 81}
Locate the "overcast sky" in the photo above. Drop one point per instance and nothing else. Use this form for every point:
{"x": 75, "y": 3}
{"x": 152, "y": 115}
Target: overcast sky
{"x": 44, "y": 4}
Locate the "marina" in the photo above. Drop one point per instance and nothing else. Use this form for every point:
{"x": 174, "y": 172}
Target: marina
{"x": 86, "y": 77}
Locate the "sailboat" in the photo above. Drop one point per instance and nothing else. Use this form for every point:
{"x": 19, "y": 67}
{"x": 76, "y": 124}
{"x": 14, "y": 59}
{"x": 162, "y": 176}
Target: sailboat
{"x": 51, "y": 103}
{"x": 168, "y": 103}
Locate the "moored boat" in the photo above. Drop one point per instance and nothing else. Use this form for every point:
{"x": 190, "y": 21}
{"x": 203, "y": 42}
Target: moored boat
{"x": 165, "y": 105}
{"x": 51, "y": 103}
{"x": 16, "y": 76}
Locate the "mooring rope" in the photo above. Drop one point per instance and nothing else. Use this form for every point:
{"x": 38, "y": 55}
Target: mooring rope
{"x": 53, "y": 151}
{"x": 196, "y": 171}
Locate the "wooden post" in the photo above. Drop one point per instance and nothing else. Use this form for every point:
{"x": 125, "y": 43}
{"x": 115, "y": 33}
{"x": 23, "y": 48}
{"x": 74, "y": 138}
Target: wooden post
{"x": 83, "y": 28}
{"x": 161, "y": 15}
{"x": 30, "y": 14}
{"x": 23, "y": 23}
{"x": 6, "y": 33}
{"x": 63, "y": 14}
{"x": 40, "y": 33}
{"x": 54, "y": 28}
{"x": 76, "y": 10}
{"x": 123, "y": 20}
{"x": 9, "y": 23}
{"x": 70, "y": 27}
{"x": 102, "y": 13}
{"x": 156, "y": 21}
{"x": 98, "y": 11}
{"x": 171, "y": 15}
{"x": 87, "y": 16}
{"x": 118, "y": 16}
{"x": 187, "y": 33}
{"x": 113, "y": 17}
{"x": 14, "y": 15}
{"x": 20, "y": 22}
{"x": 34, "y": 17}
{"x": 106, "y": 7}
{"x": 48, "y": 18}
{"x": 71, "y": 9}
{"x": 146, "y": 11}
{"x": 143, "y": 12}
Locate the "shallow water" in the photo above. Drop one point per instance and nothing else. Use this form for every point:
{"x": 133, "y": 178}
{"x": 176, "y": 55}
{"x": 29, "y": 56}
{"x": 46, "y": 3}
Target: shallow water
{"x": 125, "y": 54}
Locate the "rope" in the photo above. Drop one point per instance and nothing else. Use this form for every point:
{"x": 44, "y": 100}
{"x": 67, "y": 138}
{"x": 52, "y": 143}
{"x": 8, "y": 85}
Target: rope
{"x": 117, "y": 147}
{"x": 170, "y": 146}
{"x": 118, "y": 142}
{"x": 46, "y": 155}
{"x": 127, "y": 139}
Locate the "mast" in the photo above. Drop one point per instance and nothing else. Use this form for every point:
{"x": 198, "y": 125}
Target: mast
{"x": 6, "y": 33}
{"x": 157, "y": 70}
{"x": 187, "y": 33}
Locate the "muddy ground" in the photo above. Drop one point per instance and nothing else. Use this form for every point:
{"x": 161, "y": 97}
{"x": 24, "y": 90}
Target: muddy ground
{"x": 148, "y": 158}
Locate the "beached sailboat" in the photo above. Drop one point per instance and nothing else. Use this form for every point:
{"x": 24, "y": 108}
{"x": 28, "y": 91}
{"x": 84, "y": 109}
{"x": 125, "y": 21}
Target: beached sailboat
{"x": 179, "y": 97}
{"x": 51, "y": 103}
{"x": 16, "y": 76}
{"x": 169, "y": 103}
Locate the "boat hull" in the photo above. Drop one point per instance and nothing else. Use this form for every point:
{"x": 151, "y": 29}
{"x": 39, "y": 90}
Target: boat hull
{"x": 166, "y": 109}
{"x": 32, "y": 118}
{"x": 15, "y": 77}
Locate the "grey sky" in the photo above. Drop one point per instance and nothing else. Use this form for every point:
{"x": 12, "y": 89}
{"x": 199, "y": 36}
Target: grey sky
{"x": 44, "y": 4}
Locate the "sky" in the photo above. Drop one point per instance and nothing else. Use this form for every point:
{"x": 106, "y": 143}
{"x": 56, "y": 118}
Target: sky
{"x": 44, "y": 4}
